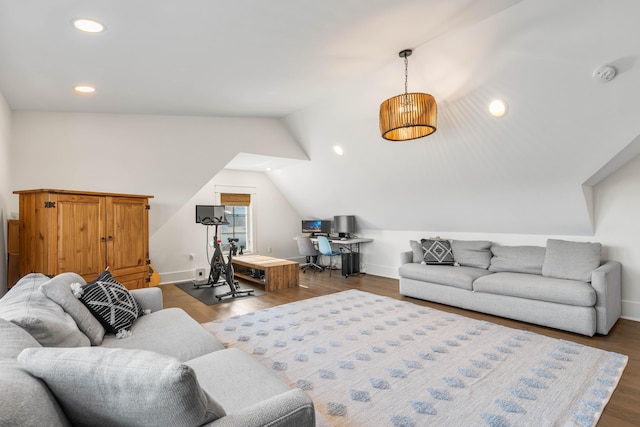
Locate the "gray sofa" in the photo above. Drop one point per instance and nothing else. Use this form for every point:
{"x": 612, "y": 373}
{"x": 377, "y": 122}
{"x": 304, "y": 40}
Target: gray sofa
{"x": 58, "y": 368}
{"x": 564, "y": 286}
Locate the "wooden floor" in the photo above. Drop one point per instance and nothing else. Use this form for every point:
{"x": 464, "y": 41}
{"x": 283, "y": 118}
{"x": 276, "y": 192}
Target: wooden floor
{"x": 623, "y": 408}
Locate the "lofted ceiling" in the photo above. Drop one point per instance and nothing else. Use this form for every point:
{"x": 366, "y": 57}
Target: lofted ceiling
{"x": 323, "y": 67}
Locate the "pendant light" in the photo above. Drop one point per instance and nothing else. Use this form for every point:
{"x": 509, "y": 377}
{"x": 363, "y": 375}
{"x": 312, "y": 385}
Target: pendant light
{"x": 410, "y": 115}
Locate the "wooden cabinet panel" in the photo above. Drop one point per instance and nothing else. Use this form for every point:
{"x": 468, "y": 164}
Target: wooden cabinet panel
{"x": 81, "y": 234}
{"x": 85, "y": 232}
{"x": 13, "y": 252}
{"x": 128, "y": 248}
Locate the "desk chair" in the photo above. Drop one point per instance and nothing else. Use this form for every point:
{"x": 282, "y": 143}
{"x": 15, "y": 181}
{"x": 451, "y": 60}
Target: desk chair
{"x": 325, "y": 249}
{"x": 306, "y": 249}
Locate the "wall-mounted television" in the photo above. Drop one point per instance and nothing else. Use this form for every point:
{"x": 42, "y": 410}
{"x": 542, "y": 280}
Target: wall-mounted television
{"x": 316, "y": 226}
{"x": 344, "y": 225}
{"x": 210, "y": 215}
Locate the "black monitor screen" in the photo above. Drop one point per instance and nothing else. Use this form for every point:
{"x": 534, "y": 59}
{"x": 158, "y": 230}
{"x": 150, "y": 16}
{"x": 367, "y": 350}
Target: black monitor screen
{"x": 210, "y": 215}
{"x": 316, "y": 226}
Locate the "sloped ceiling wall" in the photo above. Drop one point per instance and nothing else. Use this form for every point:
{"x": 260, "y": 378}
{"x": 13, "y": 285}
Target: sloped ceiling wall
{"x": 519, "y": 174}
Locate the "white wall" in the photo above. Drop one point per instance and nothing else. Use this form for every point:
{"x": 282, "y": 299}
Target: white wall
{"x": 169, "y": 157}
{"x": 5, "y": 187}
{"x": 179, "y": 239}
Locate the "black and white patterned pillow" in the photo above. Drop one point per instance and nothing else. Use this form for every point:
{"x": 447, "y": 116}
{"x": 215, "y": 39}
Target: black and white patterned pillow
{"x": 437, "y": 252}
{"x": 111, "y": 303}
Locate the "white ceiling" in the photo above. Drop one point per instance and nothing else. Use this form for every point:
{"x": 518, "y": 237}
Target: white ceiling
{"x": 323, "y": 67}
{"x": 209, "y": 57}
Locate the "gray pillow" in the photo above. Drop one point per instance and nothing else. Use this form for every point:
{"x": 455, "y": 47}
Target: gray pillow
{"x": 119, "y": 387}
{"x": 418, "y": 252}
{"x": 45, "y": 320}
{"x": 26, "y": 400}
{"x": 517, "y": 259}
{"x": 571, "y": 260}
{"x": 472, "y": 253}
{"x": 14, "y": 339}
{"x": 58, "y": 289}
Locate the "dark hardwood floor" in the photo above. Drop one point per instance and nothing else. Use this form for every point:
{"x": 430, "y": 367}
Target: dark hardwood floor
{"x": 623, "y": 409}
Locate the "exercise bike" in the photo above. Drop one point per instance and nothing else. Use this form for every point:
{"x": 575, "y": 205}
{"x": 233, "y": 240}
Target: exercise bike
{"x": 221, "y": 272}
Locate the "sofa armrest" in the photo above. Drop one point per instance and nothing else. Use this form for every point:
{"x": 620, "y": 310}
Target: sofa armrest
{"x": 406, "y": 257}
{"x": 148, "y": 298}
{"x": 291, "y": 408}
{"x": 606, "y": 280}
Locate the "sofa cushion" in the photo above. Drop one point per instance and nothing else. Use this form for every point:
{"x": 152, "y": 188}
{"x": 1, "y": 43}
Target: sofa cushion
{"x": 14, "y": 339}
{"x": 472, "y": 253}
{"x": 41, "y": 317}
{"x": 517, "y": 259}
{"x": 58, "y": 289}
{"x": 533, "y": 286}
{"x": 26, "y": 401}
{"x": 230, "y": 385}
{"x": 571, "y": 260}
{"x": 118, "y": 387}
{"x": 458, "y": 277}
{"x": 437, "y": 252}
{"x": 171, "y": 332}
{"x": 111, "y": 303}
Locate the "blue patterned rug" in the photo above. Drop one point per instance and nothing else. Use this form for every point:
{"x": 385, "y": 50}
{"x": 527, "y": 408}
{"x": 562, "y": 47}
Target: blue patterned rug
{"x": 368, "y": 360}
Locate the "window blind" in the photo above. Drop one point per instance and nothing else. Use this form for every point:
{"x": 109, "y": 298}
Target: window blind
{"x": 233, "y": 199}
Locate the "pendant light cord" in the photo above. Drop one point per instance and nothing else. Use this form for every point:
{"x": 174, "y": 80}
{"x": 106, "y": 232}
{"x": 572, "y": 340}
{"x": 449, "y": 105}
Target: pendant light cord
{"x": 406, "y": 73}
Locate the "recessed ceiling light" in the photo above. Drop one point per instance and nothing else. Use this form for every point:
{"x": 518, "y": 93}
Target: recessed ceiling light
{"x": 88, "y": 25}
{"x": 339, "y": 151}
{"x": 498, "y": 108}
{"x": 84, "y": 89}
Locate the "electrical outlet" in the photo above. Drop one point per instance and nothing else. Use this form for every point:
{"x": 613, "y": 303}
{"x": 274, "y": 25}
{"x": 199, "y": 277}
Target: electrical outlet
{"x": 200, "y": 273}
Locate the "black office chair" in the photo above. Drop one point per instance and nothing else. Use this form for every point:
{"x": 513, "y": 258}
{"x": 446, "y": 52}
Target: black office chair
{"x": 325, "y": 249}
{"x": 306, "y": 249}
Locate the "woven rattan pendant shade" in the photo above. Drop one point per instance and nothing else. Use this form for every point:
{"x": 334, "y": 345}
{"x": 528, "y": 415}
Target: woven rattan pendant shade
{"x": 410, "y": 115}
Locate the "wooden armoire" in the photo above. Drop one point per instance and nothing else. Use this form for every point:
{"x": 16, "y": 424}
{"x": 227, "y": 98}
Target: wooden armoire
{"x": 85, "y": 232}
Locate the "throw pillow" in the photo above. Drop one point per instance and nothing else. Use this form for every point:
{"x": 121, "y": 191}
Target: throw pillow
{"x": 472, "y": 253}
{"x": 571, "y": 260}
{"x": 118, "y": 387}
{"x": 418, "y": 252}
{"x": 517, "y": 259}
{"x": 111, "y": 303}
{"x": 437, "y": 252}
{"x": 26, "y": 400}
{"x": 58, "y": 289}
{"x": 14, "y": 339}
{"x": 27, "y": 307}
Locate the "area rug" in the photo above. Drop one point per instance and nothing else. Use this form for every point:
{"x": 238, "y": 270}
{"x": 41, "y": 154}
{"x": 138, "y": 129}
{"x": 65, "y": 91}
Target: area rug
{"x": 368, "y": 360}
{"x": 208, "y": 295}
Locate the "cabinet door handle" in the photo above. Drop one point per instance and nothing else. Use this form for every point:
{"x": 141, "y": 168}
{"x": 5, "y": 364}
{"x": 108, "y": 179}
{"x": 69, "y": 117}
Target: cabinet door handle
{"x": 110, "y": 238}
{"x": 102, "y": 239}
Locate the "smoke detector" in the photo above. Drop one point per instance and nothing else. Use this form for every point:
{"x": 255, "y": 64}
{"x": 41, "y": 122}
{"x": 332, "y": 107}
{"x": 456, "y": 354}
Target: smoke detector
{"x": 605, "y": 73}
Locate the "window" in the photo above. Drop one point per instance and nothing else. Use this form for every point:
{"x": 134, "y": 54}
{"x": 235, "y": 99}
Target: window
{"x": 238, "y": 213}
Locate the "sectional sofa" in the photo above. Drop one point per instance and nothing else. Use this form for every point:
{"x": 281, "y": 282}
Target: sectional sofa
{"x": 565, "y": 285}
{"x": 60, "y": 366}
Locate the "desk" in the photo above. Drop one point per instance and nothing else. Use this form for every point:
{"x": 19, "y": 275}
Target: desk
{"x": 350, "y": 249}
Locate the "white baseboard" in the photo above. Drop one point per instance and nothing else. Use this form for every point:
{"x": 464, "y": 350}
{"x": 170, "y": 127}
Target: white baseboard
{"x": 177, "y": 276}
{"x": 631, "y": 310}
{"x": 381, "y": 270}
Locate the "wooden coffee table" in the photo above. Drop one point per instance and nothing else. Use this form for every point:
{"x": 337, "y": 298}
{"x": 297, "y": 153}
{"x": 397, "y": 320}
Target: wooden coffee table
{"x": 277, "y": 273}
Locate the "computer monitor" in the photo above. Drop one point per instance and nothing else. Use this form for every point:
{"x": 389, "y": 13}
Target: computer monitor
{"x": 316, "y": 226}
{"x": 210, "y": 215}
{"x": 344, "y": 225}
